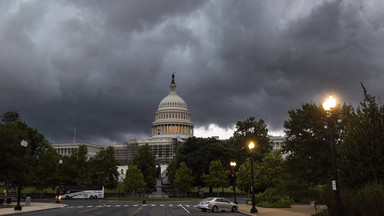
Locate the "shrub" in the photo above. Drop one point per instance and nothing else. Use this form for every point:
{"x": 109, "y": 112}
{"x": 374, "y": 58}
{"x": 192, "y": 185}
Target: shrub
{"x": 270, "y": 198}
{"x": 366, "y": 200}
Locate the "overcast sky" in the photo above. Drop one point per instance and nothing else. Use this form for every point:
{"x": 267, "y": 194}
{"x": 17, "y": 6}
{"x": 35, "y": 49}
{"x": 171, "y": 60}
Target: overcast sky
{"x": 104, "y": 66}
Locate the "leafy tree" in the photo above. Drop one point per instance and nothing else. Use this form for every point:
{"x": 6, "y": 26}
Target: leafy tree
{"x": 243, "y": 176}
{"x": 104, "y": 168}
{"x": 134, "y": 179}
{"x": 247, "y": 131}
{"x": 307, "y": 141}
{"x": 10, "y": 117}
{"x": 270, "y": 172}
{"x": 307, "y": 145}
{"x": 44, "y": 172}
{"x": 145, "y": 161}
{"x": 362, "y": 145}
{"x": 75, "y": 168}
{"x": 197, "y": 154}
{"x": 217, "y": 177}
{"x": 183, "y": 178}
{"x": 12, "y": 132}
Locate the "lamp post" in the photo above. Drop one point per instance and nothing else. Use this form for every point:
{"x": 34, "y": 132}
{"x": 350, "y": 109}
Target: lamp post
{"x": 24, "y": 145}
{"x": 58, "y": 186}
{"x": 328, "y": 105}
{"x": 233, "y": 165}
{"x": 251, "y": 146}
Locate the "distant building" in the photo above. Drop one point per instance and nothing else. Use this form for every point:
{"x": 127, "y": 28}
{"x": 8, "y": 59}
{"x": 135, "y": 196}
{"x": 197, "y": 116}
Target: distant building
{"x": 277, "y": 141}
{"x": 66, "y": 149}
{"x": 125, "y": 152}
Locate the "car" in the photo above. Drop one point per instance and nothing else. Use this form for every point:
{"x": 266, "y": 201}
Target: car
{"x": 217, "y": 204}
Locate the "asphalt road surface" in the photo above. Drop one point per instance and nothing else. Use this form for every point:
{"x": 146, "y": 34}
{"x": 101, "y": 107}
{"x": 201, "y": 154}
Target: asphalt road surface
{"x": 112, "y": 208}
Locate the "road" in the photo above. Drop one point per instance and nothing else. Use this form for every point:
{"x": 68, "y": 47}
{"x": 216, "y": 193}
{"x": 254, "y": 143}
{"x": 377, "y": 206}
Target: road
{"x": 117, "y": 208}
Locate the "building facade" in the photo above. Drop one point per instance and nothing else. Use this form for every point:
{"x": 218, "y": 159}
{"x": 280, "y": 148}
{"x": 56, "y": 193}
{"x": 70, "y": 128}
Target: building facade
{"x": 66, "y": 149}
{"x": 125, "y": 152}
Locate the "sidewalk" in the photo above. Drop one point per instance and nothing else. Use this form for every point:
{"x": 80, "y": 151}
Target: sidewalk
{"x": 295, "y": 210}
{"x": 35, "y": 206}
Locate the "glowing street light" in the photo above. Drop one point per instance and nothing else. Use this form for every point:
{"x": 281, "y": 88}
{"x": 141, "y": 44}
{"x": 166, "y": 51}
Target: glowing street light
{"x": 251, "y": 146}
{"x": 328, "y": 105}
{"x": 233, "y": 165}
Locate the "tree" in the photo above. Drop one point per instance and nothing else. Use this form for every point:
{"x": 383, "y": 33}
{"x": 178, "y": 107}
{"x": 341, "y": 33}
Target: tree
{"x": 247, "y": 131}
{"x": 197, "y": 154}
{"x": 217, "y": 177}
{"x": 145, "y": 161}
{"x": 270, "y": 172}
{"x": 134, "y": 179}
{"x": 44, "y": 173}
{"x": 12, "y": 132}
{"x": 75, "y": 168}
{"x": 243, "y": 176}
{"x": 104, "y": 168}
{"x": 362, "y": 145}
{"x": 10, "y": 117}
{"x": 183, "y": 178}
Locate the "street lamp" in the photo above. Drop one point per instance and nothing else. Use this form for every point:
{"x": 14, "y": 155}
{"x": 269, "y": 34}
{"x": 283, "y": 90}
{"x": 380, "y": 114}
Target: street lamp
{"x": 233, "y": 165}
{"x": 251, "y": 146}
{"x": 58, "y": 187}
{"x": 24, "y": 145}
{"x": 328, "y": 105}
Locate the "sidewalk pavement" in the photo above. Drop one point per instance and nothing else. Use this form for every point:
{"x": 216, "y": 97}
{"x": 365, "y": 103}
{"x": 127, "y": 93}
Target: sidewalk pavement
{"x": 35, "y": 206}
{"x": 295, "y": 210}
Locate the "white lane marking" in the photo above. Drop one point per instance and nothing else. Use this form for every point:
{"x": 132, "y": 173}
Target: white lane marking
{"x": 89, "y": 206}
{"x": 142, "y": 205}
{"x": 162, "y": 205}
{"x": 153, "y": 205}
{"x": 80, "y": 206}
{"x": 184, "y": 208}
{"x": 170, "y": 205}
{"x": 108, "y": 206}
{"x": 117, "y": 205}
{"x": 138, "y": 205}
{"x": 126, "y": 205}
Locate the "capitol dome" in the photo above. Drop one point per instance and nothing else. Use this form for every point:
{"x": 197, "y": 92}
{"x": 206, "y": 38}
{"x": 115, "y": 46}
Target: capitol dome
{"x": 172, "y": 118}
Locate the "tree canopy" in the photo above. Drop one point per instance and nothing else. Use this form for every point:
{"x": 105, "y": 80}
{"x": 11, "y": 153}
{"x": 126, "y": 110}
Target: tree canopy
{"x": 183, "y": 178}
{"x": 134, "y": 179}
{"x": 247, "y": 131}
{"x": 217, "y": 176}
{"x": 145, "y": 161}
{"x": 197, "y": 154}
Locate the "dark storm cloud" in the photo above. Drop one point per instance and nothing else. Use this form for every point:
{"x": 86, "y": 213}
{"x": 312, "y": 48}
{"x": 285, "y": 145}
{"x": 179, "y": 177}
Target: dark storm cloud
{"x": 103, "y": 67}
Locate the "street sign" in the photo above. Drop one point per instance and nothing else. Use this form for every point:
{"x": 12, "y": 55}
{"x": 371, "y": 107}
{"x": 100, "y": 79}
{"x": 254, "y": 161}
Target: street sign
{"x": 334, "y": 185}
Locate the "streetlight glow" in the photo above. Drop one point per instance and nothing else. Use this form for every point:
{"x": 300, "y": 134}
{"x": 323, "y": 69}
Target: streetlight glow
{"x": 329, "y": 103}
{"x": 251, "y": 146}
{"x": 233, "y": 163}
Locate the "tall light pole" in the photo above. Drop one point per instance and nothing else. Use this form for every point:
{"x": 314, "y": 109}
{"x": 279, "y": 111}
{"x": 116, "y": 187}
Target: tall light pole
{"x": 233, "y": 165}
{"x": 328, "y": 105}
{"x": 251, "y": 146}
{"x": 24, "y": 145}
{"x": 58, "y": 186}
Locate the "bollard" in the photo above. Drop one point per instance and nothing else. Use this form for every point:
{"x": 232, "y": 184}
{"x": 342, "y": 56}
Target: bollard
{"x": 9, "y": 200}
{"x": 28, "y": 201}
{"x": 1, "y": 200}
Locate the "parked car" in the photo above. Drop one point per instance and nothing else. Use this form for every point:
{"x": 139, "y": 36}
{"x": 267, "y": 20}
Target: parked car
{"x": 216, "y": 204}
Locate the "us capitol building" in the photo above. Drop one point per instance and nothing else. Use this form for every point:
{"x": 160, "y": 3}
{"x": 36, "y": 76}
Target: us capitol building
{"x": 172, "y": 126}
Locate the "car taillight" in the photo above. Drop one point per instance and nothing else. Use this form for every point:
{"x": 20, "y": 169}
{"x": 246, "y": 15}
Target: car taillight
{"x": 207, "y": 202}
